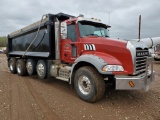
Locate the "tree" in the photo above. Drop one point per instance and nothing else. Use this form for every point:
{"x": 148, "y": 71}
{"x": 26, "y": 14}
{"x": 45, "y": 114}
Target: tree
{"x": 3, "y": 41}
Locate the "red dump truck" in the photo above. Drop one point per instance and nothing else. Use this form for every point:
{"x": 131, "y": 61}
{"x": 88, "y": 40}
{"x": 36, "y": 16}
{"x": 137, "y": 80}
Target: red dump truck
{"x": 78, "y": 50}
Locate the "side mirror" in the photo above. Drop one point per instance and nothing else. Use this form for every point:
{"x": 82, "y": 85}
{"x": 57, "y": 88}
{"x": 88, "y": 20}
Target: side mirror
{"x": 63, "y": 30}
{"x": 108, "y": 33}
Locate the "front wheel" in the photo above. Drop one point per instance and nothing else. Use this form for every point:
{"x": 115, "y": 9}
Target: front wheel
{"x": 89, "y": 84}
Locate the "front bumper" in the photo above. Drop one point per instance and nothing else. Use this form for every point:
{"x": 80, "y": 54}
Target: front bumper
{"x": 141, "y": 81}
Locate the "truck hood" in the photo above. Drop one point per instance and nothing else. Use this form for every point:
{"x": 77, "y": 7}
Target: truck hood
{"x": 113, "y": 51}
{"x": 101, "y": 43}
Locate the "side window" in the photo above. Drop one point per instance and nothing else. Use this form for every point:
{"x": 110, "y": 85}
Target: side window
{"x": 71, "y": 32}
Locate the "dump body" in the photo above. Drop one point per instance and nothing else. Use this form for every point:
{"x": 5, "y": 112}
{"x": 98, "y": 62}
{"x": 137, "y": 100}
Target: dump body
{"x": 43, "y": 46}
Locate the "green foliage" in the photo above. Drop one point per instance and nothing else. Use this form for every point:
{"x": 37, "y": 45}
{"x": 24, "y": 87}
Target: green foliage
{"x": 3, "y": 41}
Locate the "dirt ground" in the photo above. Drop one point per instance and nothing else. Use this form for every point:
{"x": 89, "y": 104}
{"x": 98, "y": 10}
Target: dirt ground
{"x": 29, "y": 98}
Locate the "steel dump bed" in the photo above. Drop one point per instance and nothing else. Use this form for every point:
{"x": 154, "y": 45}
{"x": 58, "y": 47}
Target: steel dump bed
{"x": 43, "y": 46}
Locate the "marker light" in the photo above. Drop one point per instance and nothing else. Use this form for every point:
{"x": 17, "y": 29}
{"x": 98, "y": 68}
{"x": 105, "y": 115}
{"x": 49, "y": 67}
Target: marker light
{"x": 131, "y": 84}
{"x": 95, "y": 19}
{"x": 110, "y": 68}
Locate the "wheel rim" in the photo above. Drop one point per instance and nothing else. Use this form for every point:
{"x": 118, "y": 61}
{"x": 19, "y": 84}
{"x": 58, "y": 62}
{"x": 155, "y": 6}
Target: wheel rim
{"x": 19, "y": 68}
{"x": 40, "y": 69}
{"x": 84, "y": 84}
{"x": 29, "y": 67}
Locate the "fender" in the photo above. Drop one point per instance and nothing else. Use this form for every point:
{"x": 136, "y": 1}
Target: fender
{"x": 98, "y": 60}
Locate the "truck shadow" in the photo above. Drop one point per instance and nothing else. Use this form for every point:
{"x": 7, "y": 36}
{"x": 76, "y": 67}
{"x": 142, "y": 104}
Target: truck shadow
{"x": 54, "y": 83}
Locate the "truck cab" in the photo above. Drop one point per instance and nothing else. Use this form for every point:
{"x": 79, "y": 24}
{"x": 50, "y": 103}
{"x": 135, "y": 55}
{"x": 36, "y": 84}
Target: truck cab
{"x": 74, "y": 37}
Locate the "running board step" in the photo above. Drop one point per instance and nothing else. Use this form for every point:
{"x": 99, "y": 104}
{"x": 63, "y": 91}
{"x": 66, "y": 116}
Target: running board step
{"x": 61, "y": 78}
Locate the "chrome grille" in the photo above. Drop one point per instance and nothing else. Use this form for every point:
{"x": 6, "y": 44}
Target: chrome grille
{"x": 141, "y": 60}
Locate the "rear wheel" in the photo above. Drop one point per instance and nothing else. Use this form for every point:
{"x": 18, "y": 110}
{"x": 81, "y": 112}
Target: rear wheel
{"x": 89, "y": 84}
{"x": 12, "y": 65}
{"x": 41, "y": 69}
{"x": 21, "y": 67}
{"x": 31, "y": 66}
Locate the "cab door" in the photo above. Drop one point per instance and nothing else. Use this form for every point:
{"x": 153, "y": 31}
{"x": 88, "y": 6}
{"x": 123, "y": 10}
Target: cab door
{"x": 69, "y": 45}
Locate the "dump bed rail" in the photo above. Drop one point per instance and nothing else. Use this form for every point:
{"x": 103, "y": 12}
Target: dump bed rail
{"x": 29, "y": 27}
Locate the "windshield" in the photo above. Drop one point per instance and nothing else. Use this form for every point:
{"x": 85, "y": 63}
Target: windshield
{"x": 92, "y": 29}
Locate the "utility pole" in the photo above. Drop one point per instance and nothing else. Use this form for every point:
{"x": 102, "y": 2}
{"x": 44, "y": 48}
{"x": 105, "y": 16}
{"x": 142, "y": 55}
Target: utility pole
{"x": 109, "y": 17}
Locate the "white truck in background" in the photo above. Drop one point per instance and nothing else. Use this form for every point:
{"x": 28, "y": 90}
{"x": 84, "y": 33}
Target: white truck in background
{"x": 154, "y": 46}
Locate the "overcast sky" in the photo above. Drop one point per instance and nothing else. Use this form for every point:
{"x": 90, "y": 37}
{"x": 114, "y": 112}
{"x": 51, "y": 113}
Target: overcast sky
{"x": 124, "y": 14}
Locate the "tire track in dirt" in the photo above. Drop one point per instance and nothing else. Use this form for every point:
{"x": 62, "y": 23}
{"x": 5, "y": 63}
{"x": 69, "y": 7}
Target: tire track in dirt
{"x": 48, "y": 112}
{"x": 15, "y": 107}
{"x": 3, "y": 63}
{"x": 5, "y": 99}
{"x": 2, "y": 60}
{"x": 25, "y": 108}
{"x": 25, "y": 101}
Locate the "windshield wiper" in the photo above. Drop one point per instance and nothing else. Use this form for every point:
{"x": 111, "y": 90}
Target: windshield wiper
{"x": 92, "y": 35}
{"x": 106, "y": 36}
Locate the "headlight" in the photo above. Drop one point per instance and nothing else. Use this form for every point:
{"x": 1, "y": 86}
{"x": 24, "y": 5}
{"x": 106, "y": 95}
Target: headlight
{"x": 112, "y": 68}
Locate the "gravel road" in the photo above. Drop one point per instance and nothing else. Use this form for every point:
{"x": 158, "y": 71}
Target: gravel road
{"x": 29, "y": 98}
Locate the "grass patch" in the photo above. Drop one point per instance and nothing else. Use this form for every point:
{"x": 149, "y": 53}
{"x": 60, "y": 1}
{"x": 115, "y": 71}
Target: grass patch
{"x": 3, "y": 41}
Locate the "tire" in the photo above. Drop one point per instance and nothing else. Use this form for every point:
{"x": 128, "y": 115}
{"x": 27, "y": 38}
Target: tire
{"x": 156, "y": 59}
{"x": 31, "y": 66}
{"x": 12, "y": 65}
{"x": 21, "y": 67}
{"x": 89, "y": 84}
{"x": 41, "y": 69}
